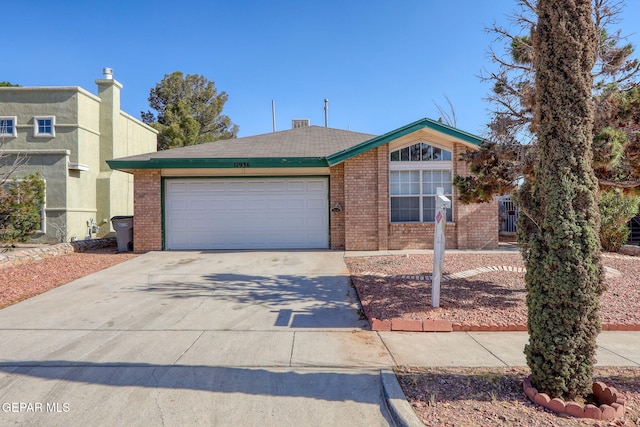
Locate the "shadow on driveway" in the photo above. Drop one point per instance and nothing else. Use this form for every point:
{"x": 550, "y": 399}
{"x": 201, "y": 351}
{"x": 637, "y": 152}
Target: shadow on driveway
{"x": 299, "y": 301}
{"x": 354, "y": 386}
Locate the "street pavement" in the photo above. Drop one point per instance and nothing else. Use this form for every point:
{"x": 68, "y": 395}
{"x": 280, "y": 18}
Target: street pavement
{"x": 225, "y": 339}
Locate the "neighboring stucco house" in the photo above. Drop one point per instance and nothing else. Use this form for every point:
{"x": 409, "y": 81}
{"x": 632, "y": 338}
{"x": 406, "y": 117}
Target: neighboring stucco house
{"x": 308, "y": 187}
{"x": 68, "y": 134}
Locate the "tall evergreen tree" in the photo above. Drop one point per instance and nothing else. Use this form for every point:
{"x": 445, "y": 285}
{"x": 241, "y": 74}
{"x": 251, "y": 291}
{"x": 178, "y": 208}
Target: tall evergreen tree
{"x": 189, "y": 111}
{"x": 564, "y": 276}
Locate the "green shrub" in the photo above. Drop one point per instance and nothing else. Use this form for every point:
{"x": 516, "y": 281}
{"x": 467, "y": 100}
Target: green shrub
{"x": 21, "y": 202}
{"x": 616, "y": 210}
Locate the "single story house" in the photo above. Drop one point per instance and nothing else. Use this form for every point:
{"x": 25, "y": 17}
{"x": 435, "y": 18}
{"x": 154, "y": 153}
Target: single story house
{"x": 308, "y": 187}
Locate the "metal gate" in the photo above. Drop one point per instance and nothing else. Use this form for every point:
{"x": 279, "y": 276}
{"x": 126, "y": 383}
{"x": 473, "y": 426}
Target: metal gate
{"x": 634, "y": 226}
{"x": 507, "y": 214}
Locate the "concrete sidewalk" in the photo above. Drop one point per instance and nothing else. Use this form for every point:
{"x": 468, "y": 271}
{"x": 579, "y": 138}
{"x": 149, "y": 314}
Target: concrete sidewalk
{"x": 494, "y": 349}
{"x": 224, "y": 339}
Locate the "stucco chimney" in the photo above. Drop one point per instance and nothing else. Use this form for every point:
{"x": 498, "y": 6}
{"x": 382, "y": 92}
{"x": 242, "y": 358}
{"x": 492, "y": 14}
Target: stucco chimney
{"x": 109, "y": 93}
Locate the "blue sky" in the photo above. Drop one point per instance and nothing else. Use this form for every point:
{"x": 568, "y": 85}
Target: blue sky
{"x": 381, "y": 63}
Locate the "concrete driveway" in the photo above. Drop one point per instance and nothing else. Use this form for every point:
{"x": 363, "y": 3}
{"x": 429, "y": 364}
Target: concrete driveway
{"x": 186, "y": 338}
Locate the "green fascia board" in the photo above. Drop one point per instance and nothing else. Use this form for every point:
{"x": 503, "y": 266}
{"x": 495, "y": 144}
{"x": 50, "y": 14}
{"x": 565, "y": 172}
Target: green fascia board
{"x": 219, "y": 163}
{"x": 400, "y": 132}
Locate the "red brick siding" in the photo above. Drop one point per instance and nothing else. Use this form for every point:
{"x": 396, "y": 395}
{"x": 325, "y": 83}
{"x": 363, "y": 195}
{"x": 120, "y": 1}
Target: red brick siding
{"x": 366, "y": 226}
{"x": 147, "y": 211}
{"x": 336, "y": 196}
{"x": 361, "y": 201}
{"x": 383, "y": 197}
{"x": 477, "y": 224}
{"x": 418, "y": 236}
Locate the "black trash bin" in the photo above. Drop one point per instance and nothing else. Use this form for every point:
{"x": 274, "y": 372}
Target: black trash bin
{"x": 123, "y": 225}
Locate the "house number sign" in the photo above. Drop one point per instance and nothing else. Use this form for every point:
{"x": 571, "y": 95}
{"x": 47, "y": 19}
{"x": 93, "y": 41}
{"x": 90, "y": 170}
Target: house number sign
{"x": 241, "y": 165}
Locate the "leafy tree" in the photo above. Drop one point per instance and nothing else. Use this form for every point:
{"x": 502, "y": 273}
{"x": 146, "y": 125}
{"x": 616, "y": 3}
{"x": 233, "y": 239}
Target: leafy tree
{"x": 507, "y": 157}
{"x": 189, "y": 111}
{"x": 20, "y": 205}
{"x": 564, "y": 278}
{"x": 7, "y": 84}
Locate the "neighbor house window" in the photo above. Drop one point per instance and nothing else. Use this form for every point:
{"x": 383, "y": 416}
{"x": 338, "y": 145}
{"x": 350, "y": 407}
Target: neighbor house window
{"x": 416, "y": 171}
{"x": 44, "y": 126}
{"x": 8, "y": 126}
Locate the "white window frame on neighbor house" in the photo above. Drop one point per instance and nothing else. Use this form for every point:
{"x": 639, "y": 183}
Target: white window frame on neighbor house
{"x": 43, "y": 133}
{"x": 412, "y": 169}
{"x": 7, "y": 130}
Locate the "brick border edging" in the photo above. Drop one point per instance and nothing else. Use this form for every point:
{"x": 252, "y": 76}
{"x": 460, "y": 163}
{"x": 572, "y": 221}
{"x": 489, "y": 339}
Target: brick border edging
{"x": 612, "y": 408}
{"x": 21, "y": 256}
{"x": 428, "y": 325}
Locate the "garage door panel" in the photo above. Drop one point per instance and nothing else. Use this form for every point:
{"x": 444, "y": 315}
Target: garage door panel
{"x": 236, "y": 186}
{"x": 314, "y": 204}
{"x": 296, "y": 186}
{"x": 198, "y": 205}
{"x": 316, "y": 186}
{"x": 221, "y": 213}
{"x": 275, "y": 186}
{"x": 298, "y": 204}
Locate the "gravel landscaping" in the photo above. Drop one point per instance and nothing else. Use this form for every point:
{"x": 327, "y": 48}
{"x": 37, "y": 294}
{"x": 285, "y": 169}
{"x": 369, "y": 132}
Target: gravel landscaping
{"x": 492, "y": 293}
{"x": 31, "y": 278}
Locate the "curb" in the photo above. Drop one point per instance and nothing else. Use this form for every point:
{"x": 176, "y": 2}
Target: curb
{"x": 396, "y": 402}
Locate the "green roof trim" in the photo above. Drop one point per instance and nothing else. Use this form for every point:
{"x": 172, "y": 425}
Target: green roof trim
{"x": 219, "y": 163}
{"x": 400, "y": 132}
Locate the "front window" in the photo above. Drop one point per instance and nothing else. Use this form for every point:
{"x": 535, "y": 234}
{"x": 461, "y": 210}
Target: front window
{"x": 420, "y": 152}
{"x": 416, "y": 173}
{"x": 8, "y": 126}
{"x": 44, "y": 126}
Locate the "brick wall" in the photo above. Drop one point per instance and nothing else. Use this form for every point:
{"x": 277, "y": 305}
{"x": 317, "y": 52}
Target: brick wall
{"x": 418, "y": 236}
{"x": 478, "y": 226}
{"x": 361, "y": 201}
{"x": 363, "y": 184}
{"x": 147, "y": 211}
{"x": 383, "y": 197}
{"x": 336, "y": 196}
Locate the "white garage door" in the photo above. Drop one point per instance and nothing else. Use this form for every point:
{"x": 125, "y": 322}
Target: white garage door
{"x": 247, "y": 213}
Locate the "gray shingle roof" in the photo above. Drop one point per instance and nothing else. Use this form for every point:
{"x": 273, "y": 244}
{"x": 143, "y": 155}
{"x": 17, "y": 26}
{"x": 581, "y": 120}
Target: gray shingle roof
{"x": 311, "y": 141}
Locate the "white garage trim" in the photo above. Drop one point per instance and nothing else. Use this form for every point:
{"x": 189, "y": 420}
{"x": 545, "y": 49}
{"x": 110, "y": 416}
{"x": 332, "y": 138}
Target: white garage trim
{"x": 246, "y": 213}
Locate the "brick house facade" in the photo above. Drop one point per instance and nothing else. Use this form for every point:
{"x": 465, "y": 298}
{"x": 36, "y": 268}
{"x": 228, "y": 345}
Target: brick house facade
{"x": 359, "y": 171}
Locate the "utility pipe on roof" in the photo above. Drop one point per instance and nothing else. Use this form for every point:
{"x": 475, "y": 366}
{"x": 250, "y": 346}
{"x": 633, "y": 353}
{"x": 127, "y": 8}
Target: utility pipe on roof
{"x": 326, "y": 112}
{"x": 273, "y": 114}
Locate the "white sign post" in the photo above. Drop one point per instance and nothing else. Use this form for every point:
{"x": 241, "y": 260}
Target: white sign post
{"x": 442, "y": 204}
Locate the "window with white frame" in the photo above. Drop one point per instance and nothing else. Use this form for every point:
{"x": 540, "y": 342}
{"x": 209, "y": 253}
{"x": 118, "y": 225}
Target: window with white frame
{"x": 416, "y": 171}
{"x": 44, "y": 126}
{"x": 7, "y": 126}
